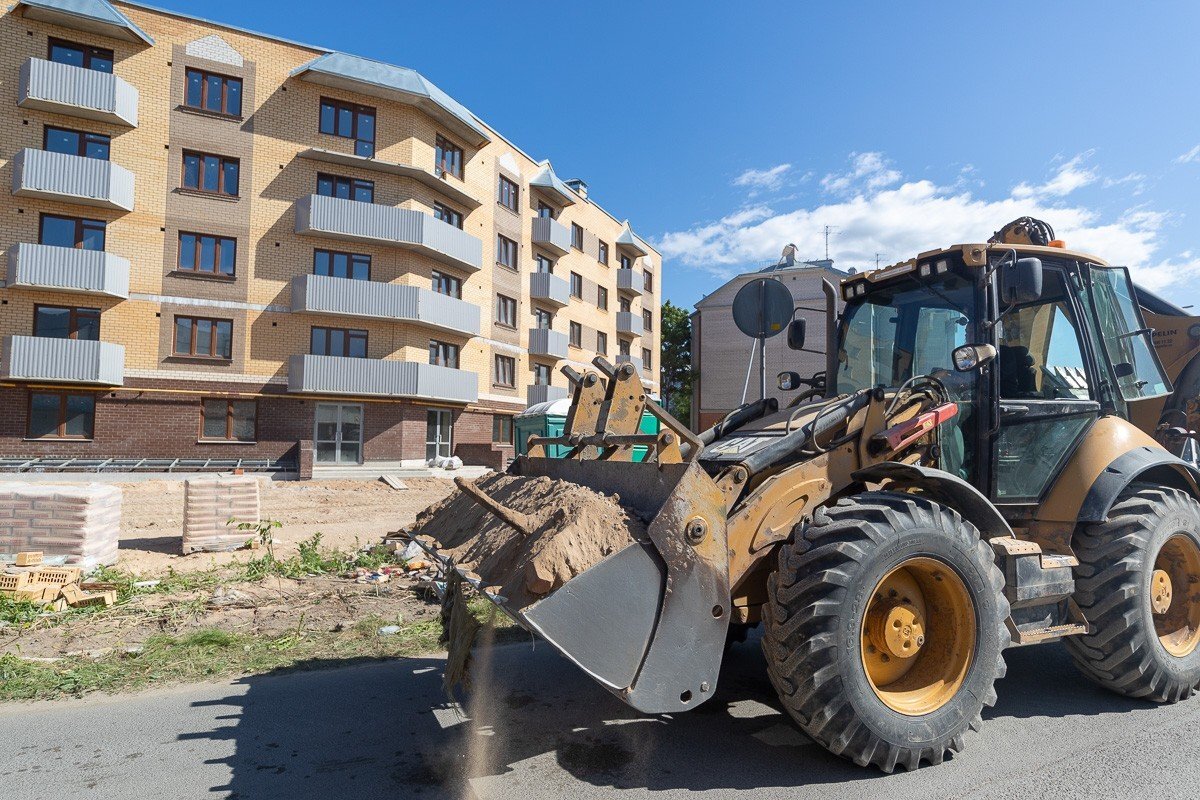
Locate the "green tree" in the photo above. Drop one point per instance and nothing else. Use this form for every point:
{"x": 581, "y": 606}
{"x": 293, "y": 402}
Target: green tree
{"x": 676, "y": 377}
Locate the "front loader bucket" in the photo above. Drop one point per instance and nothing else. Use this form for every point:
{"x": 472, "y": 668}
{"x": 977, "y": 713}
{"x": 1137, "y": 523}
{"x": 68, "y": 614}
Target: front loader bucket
{"x": 649, "y": 621}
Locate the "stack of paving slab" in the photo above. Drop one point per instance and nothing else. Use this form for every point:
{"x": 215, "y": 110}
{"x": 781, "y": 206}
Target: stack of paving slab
{"x": 213, "y": 509}
{"x": 80, "y": 522}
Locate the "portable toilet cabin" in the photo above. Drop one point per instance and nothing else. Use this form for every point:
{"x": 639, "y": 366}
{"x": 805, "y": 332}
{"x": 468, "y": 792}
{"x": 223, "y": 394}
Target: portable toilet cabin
{"x": 549, "y": 419}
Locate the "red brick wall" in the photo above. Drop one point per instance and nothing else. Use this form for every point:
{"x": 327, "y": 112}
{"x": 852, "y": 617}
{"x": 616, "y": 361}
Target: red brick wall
{"x": 142, "y": 424}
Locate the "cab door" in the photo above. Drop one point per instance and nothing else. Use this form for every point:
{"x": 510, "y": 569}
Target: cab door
{"x": 1047, "y": 400}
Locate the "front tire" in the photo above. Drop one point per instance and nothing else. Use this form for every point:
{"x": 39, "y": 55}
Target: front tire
{"x": 884, "y": 629}
{"x": 1138, "y": 585}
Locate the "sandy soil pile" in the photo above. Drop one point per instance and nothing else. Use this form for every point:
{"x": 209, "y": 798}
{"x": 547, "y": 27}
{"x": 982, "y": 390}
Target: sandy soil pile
{"x": 574, "y": 528}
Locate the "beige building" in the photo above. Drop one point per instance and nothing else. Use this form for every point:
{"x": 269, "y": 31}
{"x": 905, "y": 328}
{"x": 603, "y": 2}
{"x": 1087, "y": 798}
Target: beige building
{"x": 723, "y": 356}
{"x": 224, "y": 245}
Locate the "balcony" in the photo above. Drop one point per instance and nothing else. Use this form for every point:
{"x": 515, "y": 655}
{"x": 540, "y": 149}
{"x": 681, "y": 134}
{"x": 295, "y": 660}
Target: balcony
{"x": 350, "y": 220}
{"x": 66, "y": 269}
{"x": 629, "y": 323}
{"x": 630, "y": 281}
{"x": 624, "y": 359}
{"x": 320, "y": 294}
{"x": 545, "y": 342}
{"x": 449, "y": 186}
{"x": 31, "y": 358}
{"x": 376, "y": 377}
{"x": 77, "y": 92}
{"x": 552, "y": 235}
{"x": 72, "y": 179}
{"x": 549, "y": 289}
{"x": 545, "y": 394}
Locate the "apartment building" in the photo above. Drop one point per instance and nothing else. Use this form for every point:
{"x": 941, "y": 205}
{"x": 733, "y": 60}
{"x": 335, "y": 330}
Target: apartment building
{"x": 725, "y": 361}
{"x": 225, "y": 245}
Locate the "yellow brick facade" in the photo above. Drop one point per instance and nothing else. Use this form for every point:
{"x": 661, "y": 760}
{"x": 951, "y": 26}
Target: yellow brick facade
{"x": 279, "y": 122}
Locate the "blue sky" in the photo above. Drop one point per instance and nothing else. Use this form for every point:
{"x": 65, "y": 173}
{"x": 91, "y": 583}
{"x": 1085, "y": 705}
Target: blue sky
{"x": 725, "y": 130}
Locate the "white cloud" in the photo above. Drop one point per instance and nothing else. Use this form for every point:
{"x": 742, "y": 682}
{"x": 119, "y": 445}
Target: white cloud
{"x": 868, "y": 172}
{"x": 769, "y": 179}
{"x": 905, "y": 218}
{"x": 1190, "y": 156}
{"x": 1070, "y": 176}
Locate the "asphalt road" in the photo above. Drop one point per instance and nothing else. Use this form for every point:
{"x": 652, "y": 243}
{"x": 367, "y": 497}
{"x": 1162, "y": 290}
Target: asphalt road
{"x": 385, "y": 730}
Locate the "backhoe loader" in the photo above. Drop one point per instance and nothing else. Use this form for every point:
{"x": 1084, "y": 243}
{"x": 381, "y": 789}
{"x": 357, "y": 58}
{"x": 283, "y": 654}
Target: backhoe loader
{"x": 967, "y": 474}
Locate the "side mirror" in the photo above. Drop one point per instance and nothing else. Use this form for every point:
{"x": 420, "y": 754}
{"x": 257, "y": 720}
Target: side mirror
{"x": 787, "y": 381}
{"x": 973, "y": 356}
{"x": 1021, "y": 281}
{"x": 796, "y": 334}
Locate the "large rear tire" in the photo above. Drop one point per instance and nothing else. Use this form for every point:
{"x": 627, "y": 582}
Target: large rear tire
{"x": 884, "y": 629}
{"x": 1138, "y": 585}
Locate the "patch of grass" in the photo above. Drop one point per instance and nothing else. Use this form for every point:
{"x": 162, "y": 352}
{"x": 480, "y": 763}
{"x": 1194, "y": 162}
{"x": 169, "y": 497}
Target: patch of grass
{"x": 314, "y": 559}
{"x": 18, "y": 612}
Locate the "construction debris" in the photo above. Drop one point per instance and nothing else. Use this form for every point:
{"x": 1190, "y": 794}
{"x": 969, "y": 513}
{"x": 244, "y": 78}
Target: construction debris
{"x": 55, "y": 588}
{"x": 394, "y": 482}
{"x": 29, "y": 558}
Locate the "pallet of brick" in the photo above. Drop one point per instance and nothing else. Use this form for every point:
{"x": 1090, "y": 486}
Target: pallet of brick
{"x": 212, "y": 510}
{"x": 79, "y": 522}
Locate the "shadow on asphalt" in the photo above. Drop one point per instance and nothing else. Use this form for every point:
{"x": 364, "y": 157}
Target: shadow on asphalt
{"x": 387, "y": 730}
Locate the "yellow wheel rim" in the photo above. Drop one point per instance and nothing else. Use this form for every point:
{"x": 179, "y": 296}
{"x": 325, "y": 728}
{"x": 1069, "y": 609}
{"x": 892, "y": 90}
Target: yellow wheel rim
{"x": 1175, "y": 595}
{"x": 918, "y": 636}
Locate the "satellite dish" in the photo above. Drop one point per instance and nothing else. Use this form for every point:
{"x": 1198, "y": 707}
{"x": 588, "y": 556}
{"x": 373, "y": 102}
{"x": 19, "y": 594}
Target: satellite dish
{"x": 763, "y": 308}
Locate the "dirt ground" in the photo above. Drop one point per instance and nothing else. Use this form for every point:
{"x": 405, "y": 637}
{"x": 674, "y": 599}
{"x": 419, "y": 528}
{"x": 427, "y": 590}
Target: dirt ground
{"x": 347, "y": 513}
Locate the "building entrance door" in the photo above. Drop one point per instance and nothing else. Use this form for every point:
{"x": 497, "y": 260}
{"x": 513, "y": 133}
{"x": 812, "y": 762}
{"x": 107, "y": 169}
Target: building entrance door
{"x": 338, "y": 437}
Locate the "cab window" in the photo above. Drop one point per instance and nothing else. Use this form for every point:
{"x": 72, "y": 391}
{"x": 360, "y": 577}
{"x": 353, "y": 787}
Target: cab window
{"x": 1040, "y": 352}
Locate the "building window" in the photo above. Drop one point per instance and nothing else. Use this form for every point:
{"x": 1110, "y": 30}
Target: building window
{"x": 76, "y": 143}
{"x": 647, "y": 320}
{"x": 576, "y": 334}
{"x": 546, "y": 211}
{"x": 506, "y": 252}
{"x": 506, "y": 371}
{"x": 601, "y": 343}
{"x": 506, "y": 311}
{"x": 447, "y": 285}
{"x": 646, "y": 359}
{"x": 350, "y": 121}
{"x": 502, "y": 427}
{"x": 648, "y": 280}
{"x": 211, "y": 92}
{"x": 576, "y": 285}
{"x": 65, "y": 322}
{"x": 542, "y": 264}
{"x": 576, "y": 236}
{"x": 228, "y": 420}
{"x": 346, "y": 188}
{"x": 208, "y": 255}
{"x": 208, "y": 173}
{"x": 623, "y": 348}
{"x": 509, "y": 194}
{"x": 625, "y": 304}
{"x": 447, "y": 215}
{"x": 443, "y": 354}
{"x": 602, "y": 298}
{"x": 342, "y": 342}
{"x": 448, "y": 157}
{"x": 541, "y": 375}
{"x": 80, "y": 55}
{"x": 203, "y": 338}
{"x": 542, "y": 319}
{"x": 602, "y": 253}
{"x": 60, "y": 415}
{"x": 82, "y": 234}
{"x": 334, "y": 264}
{"x": 626, "y": 262}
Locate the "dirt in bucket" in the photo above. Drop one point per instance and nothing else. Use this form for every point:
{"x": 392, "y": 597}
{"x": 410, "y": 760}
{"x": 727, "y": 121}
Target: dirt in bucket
{"x": 571, "y": 529}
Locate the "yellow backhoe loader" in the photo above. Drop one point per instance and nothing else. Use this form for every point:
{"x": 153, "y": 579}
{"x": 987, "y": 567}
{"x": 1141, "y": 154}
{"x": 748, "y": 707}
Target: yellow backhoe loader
{"x": 973, "y": 470}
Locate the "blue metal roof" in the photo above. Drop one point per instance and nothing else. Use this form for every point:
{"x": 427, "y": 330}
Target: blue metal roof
{"x": 91, "y": 15}
{"x": 386, "y": 80}
{"x": 546, "y": 180}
